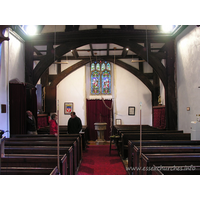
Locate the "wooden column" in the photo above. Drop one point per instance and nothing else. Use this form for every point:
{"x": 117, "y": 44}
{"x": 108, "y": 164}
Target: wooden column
{"x": 170, "y": 90}
{"x": 29, "y": 64}
{"x": 50, "y": 99}
{"x": 156, "y": 89}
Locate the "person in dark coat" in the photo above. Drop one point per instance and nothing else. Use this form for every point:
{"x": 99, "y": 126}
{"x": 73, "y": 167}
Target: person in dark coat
{"x": 30, "y": 123}
{"x": 74, "y": 124}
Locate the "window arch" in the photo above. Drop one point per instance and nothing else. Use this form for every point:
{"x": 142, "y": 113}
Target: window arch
{"x": 100, "y": 78}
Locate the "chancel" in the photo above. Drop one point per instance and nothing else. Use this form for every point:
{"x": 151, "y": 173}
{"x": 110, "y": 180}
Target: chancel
{"x": 102, "y": 73}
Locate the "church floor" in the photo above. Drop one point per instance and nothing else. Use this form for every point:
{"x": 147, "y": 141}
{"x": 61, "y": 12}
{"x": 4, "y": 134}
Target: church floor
{"x": 125, "y": 162}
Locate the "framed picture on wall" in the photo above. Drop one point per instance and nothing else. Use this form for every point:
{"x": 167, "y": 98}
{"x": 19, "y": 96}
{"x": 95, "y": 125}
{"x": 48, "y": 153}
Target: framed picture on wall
{"x": 68, "y": 108}
{"x": 118, "y": 121}
{"x": 131, "y": 110}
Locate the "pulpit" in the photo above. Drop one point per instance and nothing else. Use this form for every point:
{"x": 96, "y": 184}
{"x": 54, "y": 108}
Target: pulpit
{"x": 100, "y": 127}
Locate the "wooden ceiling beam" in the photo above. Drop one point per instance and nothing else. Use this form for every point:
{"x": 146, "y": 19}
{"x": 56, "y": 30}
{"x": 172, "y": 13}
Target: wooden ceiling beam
{"x": 68, "y": 28}
{"x": 99, "y": 27}
{"x": 75, "y": 54}
{"x": 71, "y": 28}
{"x": 40, "y": 57}
{"x": 92, "y": 53}
{"x": 37, "y": 52}
{"x": 98, "y": 35}
{"x": 124, "y": 52}
{"x": 76, "y": 27}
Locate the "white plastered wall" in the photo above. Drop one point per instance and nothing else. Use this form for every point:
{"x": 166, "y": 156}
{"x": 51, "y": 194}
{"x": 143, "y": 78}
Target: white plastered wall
{"x": 188, "y": 79}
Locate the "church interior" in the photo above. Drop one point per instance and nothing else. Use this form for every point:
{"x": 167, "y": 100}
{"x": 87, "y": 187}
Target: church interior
{"x": 134, "y": 87}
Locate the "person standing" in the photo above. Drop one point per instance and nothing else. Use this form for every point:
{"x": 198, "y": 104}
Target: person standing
{"x": 74, "y": 124}
{"x": 30, "y": 123}
{"x": 53, "y": 125}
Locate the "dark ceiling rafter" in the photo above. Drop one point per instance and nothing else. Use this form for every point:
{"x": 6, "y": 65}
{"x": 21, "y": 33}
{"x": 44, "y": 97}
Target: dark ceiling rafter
{"x": 47, "y": 60}
{"x": 108, "y": 45}
{"x": 37, "y": 52}
{"x": 137, "y": 35}
{"x": 127, "y": 27}
{"x": 71, "y": 28}
{"x": 75, "y": 54}
{"x": 40, "y": 57}
{"x": 91, "y": 49}
{"x": 124, "y": 52}
{"x": 74, "y": 39}
{"x": 62, "y": 37}
{"x": 99, "y": 27}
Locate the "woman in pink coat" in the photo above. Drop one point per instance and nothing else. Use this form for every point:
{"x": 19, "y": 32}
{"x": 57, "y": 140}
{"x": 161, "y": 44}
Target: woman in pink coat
{"x": 53, "y": 125}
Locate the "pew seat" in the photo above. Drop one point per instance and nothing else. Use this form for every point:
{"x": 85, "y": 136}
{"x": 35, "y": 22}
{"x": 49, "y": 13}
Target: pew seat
{"x": 131, "y": 144}
{"x": 150, "y": 136}
{"x": 62, "y": 137}
{"x": 28, "y": 171}
{"x": 175, "y": 159}
{"x": 52, "y": 150}
{"x": 161, "y": 150}
{"x": 35, "y": 161}
{"x": 72, "y": 154}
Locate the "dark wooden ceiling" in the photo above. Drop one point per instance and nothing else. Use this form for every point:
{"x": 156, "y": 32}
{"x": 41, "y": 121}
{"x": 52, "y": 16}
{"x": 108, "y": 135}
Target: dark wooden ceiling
{"x": 150, "y": 37}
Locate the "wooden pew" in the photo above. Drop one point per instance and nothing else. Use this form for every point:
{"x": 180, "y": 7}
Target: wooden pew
{"x": 117, "y": 128}
{"x": 175, "y": 159}
{"x": 52, "y": 150}
{"x": 149, "y": 131}
{"x": 66, "y": 137}
{"x": 34, "y": 161}
{"x": 131, "y": 144}
{"x": 71, "y": 153}
{"x": 160, "y": 149}
{"x": 149, "y": 136}
{"x": 28, "y": 171}
{"x": 53, "y": 138}
{"x": 63, "y": 130}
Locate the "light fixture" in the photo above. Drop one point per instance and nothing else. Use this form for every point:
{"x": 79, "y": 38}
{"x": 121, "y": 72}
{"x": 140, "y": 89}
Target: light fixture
{"x": 127, "y": 49}
{"x": 168, "y": 28}
{"x": 31, "y": 29}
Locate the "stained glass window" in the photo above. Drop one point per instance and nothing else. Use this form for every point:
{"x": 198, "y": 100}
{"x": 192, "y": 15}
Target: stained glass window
{"x": 103, "y": 67}
{"x": 106, "y": 82}
{"x": 92, "y": 67}
{"x": 100, "y": 78}
{"x": 108, "y": 66}
{"x": 95, "y": 83}
{"x": 98, "y": 67}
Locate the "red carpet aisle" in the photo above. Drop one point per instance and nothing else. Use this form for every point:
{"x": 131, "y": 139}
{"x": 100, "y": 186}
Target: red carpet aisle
{"x": 98, "y": 161}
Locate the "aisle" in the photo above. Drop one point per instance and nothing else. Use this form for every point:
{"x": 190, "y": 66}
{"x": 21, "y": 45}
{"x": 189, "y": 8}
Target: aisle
{"x": 97, "y": 161}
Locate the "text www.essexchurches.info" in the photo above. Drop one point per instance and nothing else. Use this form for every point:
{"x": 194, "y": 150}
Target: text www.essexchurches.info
{"x": 163, "y": 168}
